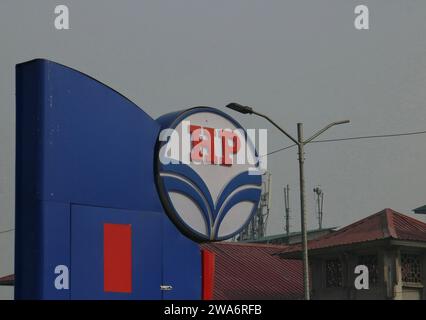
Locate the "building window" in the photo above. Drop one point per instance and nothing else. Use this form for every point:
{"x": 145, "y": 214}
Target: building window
{"x": 333, "y": 273}
{"x": 411, "y": 268}
{"x": 370, "y": 261}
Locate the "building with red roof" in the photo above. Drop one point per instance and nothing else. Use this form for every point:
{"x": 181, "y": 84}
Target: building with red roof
{"x": 391, "y": 245}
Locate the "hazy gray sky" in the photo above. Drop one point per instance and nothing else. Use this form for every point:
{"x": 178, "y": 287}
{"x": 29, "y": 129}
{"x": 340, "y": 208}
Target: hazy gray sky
{"x": 297, "y": 61}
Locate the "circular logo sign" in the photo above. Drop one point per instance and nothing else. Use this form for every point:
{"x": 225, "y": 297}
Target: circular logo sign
{"x": 207, "y": 173}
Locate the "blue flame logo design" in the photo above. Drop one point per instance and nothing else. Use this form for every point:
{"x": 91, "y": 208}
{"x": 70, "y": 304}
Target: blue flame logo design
{"x": 182, "y": 179}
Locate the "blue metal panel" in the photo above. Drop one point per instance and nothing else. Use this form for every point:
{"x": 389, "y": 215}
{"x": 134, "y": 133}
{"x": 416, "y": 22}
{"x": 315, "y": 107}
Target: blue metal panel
{"x": 28, "y": 266}
{"x": 181, "y": 264}
{"x": 90, "y": 132}
{"x": 79, "y": 141}
{"x": 87, "y": 279}
{"x": 56, "y": 246}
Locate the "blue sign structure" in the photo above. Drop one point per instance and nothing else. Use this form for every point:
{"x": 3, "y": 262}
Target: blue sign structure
{"x": 90, "y": 221}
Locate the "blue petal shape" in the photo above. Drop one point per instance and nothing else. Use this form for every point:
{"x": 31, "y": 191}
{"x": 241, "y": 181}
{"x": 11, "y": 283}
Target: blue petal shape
{"x": 250, "y": 195}
{"x": 242, "y": 179}
{"x": 174, "y": 184}
{"x": 194, "y": 188}
{"x": 187, "y": 172}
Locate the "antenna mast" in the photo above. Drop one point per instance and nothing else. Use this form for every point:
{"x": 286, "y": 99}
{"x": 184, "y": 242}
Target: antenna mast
{"x": 320, "y": 203}
{"x": 257, "y": 227}
{"x": 287, "y": 209}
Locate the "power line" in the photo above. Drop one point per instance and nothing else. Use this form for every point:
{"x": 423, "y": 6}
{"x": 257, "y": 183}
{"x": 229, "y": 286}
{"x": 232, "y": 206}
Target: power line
{"x": 278, "y": 150}
{"x": 372, "y": 137}
{"x": 351, "y": 138}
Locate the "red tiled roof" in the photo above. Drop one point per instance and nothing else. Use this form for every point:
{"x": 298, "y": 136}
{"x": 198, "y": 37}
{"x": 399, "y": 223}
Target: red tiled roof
{"x": 7, "y": 280}
{"x": 381, "y": 225}
{"x": 251, "y": 271}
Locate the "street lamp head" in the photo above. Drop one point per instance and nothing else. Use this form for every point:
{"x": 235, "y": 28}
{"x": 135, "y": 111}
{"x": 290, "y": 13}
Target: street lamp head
{"x": 240, "y": 108}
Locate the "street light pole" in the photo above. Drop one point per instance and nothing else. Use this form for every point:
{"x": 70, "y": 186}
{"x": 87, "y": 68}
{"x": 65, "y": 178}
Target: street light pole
{"x": 300, "y": 142}
{"x": 300, "y": 145}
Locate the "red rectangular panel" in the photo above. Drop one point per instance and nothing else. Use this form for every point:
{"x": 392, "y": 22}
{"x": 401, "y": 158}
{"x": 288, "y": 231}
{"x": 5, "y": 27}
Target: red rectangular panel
{"x": 117, "y": 257}
{"x": 208, "y": 265}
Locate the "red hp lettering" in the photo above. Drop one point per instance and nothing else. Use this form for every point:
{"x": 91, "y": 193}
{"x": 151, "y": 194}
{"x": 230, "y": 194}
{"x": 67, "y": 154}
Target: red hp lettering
{"x": 213, "y": 146}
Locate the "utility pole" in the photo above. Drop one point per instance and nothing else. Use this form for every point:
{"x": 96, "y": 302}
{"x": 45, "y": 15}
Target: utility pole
{"x": 300, "y": 146}
{"x": 300, "y": 142}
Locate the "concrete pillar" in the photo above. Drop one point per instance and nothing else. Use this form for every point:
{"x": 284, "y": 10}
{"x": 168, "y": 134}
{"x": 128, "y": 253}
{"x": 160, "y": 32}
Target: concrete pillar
{"x": 397, "y": 289}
